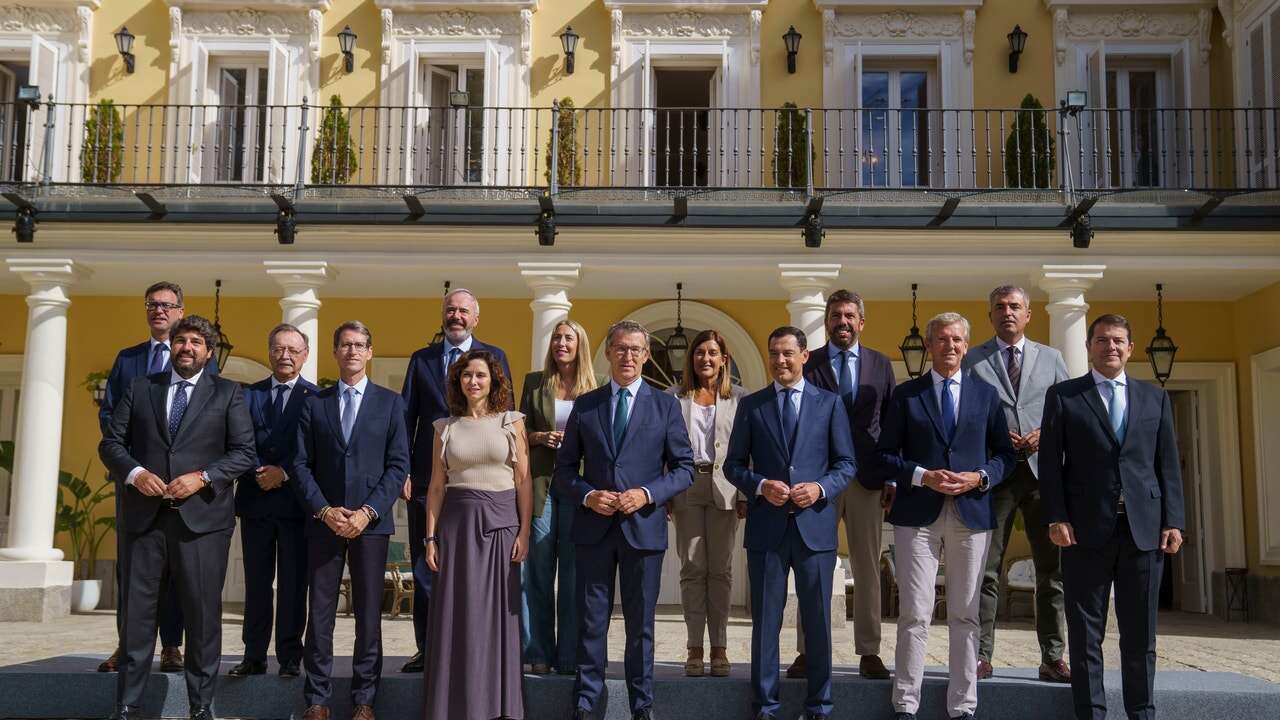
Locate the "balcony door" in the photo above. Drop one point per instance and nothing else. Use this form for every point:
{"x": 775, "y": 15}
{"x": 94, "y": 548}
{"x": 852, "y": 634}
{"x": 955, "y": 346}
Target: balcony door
{"x": 13, "y": 122}
{"x": 898, "y": 137}
{"x": 1262, "y": 122}
{"x": 238, "y": 94}
{"x": 450, "y": 146}
{"x": 682, "y": 141}
{"x": 1138, "y": 95}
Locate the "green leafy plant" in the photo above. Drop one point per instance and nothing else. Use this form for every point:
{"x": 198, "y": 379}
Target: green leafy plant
{"x": 92, "y": 380}
{"x": 790, "y": 161}
{"x": 568, "y": 168}
{"x": 1029, "y": 160}
{"x": 102, "y": 151}
{"x": 333, "y": 159}
{"x": 76, "y": 515}
{"x": 326, "y": 382}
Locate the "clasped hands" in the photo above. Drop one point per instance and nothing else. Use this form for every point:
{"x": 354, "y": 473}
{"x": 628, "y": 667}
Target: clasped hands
{"x": 950, "y": 483}
{"x": 1029, "y": 443}
{"x": 607, "y": 502}
{"x": 346, "y": 523}
{"x": 269, "y": 477}
{"x": 180, "y": 488}
{"x": 777, "y": 493}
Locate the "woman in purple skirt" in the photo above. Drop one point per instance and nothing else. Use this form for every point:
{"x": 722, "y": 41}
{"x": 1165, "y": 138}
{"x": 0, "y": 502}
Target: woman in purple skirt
{"x": 479, "y": 504}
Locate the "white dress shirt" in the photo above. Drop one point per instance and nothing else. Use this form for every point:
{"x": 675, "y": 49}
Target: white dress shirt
{"x": 1103, "y": 384}
{"x": 360, "y": 387}
{"x": 174, "y": 379}
{"x": 917, "y": 475}
{"x": 463, "y": 348}
{"x": 702, "y": 434}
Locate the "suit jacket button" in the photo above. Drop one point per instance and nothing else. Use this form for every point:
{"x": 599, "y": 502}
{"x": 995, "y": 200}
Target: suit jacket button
{"x": 791, "y": 469}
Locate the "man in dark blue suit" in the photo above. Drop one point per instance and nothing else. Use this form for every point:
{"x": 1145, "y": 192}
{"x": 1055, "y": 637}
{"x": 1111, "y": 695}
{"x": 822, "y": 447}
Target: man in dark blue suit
{"x": 1112, "y": 490}
{"x": 791, "y": 453}
{"x": 351, "y": 460}
{"x": 163, "y": 303}
{"x": 944, "y": 444}
{"x": 425, "y": 402}
{"x": 625, "y": 454}
{"x": 271, "y": 530}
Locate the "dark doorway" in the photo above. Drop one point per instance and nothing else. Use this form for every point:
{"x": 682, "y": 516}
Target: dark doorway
{"x": 682, "y": 152}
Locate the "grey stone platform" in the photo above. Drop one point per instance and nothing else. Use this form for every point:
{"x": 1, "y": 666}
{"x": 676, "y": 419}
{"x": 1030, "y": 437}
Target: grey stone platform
{"x": 67, "y": 687}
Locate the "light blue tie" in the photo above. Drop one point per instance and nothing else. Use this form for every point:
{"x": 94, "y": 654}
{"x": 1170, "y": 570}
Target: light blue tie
{"x": 1117, "y": 409}
{"x": 349, "y": 413}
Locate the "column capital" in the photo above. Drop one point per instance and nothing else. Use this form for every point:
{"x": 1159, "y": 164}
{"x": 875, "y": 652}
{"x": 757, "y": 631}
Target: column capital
{"x": 47, "y": 272}
{"x": 299, "y": 273}
{"x": 806, "y": 276}
{"x": 550, "y": 275}
{"x": 1077, "y": 278}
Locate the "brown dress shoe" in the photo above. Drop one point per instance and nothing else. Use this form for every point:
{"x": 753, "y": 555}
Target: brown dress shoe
{"x": 111, "y": 664}
{"x": 362, "y": 712}
{"x": 797, "y": 669}
{"x": 872, "y": 667}
{"x": 984, "y": 669}
{"x": 171, "y": 660}
{"x": 720, "y": 662}
{"x": 1057, "y": 671}
{"x": 693, "y": 667}
{"x": 316, "y": 712}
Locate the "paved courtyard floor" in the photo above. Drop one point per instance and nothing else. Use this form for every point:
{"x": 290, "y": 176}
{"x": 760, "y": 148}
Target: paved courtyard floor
{"x": 1186, "y": 642}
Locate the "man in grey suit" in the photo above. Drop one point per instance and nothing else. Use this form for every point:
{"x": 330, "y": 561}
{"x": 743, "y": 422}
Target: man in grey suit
{"x": 1022, "y": 371}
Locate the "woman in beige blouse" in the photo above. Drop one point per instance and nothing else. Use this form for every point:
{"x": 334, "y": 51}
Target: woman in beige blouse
{"x": 478, "y": 508}
{"x": 706, "y": 516}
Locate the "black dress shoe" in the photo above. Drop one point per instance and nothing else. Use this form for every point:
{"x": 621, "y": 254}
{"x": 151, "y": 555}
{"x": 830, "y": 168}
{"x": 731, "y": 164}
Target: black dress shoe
{"x": 124, "y": 712}
{"x": 415, "y": 664}
{"x": 290, "y": 669}
{"x": 904, "y": 716}
{"x": 248, "y": 667}
{"x": 966, "y": 716}
{"x": 645, "y": 714}
{"x": 817, "y": 716}
{"x": 580, "y": 714}
{"x": 202, "y": 712}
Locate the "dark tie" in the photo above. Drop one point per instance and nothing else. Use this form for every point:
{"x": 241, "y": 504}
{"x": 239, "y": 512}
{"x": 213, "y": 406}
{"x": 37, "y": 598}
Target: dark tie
{"x": 454, "y": 354}
{"x": 620, "y": 417}
{"x": 948, "y": 410}
{"x": 179, "y": 407}
{"x": 788, "y": 417}
{"x": 157, "y": 359}
{"x": 1015, "y": 370}
{"x": 846, "y": 377}
{"x": 277, "y": 405}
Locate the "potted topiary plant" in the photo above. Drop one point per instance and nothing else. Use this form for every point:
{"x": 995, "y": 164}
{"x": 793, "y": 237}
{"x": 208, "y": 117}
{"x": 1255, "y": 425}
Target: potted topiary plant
{"x": 568, "y": 166}
{"x": 1029, "y": 160}
{"x": 790, "y": 138}
{"x": 102, "y": 151}
{"x": 333, "y": 160}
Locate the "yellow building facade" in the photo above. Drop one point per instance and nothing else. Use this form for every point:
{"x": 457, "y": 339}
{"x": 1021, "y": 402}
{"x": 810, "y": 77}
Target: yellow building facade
{"x": 901, "y": 107}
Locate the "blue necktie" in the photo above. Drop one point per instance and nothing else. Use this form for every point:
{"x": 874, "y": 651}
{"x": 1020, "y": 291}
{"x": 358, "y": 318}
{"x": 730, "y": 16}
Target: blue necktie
{"x": 1117, "y": 409}
{"x": 620, "y": 417}
{"x": 349, "y": 413}
{"x": 179, "y": 407}
{"x": 277, "y": 406}
{"x": 847, "y": 389}
{"x": 788, "y": 417}
{"x": 948, "y": 410}
{"x": 157, "y": 359}
{"x": 454, "y": 354}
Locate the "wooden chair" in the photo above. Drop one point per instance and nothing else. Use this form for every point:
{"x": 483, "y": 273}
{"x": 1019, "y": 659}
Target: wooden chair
{"x": 399, "y": 577}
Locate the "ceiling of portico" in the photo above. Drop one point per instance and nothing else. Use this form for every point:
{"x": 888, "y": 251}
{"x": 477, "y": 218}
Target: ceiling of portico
{"x": 640, "y": 264}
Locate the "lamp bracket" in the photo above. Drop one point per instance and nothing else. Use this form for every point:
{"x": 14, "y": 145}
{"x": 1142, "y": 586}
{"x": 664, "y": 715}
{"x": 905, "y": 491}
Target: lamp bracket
{"x": 945, "y": 212}
{"x": 18, "y": 201}
{"x": 284, "y": 203}
{"x": 416, "y": 210}
{"x": 157, "y": 208}
{"x": 1080, "y": 210}
{"x": 1207, "y": 208}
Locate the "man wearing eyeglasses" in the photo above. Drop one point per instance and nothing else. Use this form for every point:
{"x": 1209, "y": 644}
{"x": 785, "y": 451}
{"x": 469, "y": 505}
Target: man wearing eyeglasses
{"x": 271, "y": 518}
{"x": 163, "y": 303}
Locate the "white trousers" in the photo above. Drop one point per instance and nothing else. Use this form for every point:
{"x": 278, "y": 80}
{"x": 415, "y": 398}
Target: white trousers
{"x": 917, "y": 552}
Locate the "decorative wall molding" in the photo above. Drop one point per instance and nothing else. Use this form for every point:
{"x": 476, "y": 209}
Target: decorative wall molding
{"x": 1131, "y": 23}
{"x": 828, "y": 36}
{"x": 388, "y": 24}
{"x": 23, "y": 19}
{"x": 896, "y": 24}
{"x": 755, "y": 17}
{"x": 84, "y": 17}
{"x": 615, "y": 23}
{"x": 526, "y": 37}
{"x": 1060, "y": 21}
{"x": 314, "y": 16}
{"x": 970, "y": 22}
{"x": 454, "y": 23}
{"x": 244, "y": 22}
{"x": 684, "y": 23}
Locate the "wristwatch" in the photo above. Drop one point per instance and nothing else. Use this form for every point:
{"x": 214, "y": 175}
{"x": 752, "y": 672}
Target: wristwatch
{"x": 205, "y": 477}
{"x": 984, "y": 482}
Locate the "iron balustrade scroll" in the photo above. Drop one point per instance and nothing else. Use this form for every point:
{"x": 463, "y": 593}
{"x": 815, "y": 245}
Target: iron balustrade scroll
{"x": 569, "y": 149}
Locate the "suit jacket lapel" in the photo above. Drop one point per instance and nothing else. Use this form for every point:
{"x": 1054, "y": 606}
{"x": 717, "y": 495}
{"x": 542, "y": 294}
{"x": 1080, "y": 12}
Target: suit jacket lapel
{"x": 546, "y": 402}
{"x": 291, "y": 408}
{"x": 996, "y": 358}
{"x": 824, "y": 369}
{"x": 639, "y": 408}
{"x": 1094, "y": 399}
{"x": 807, "y": 403}
{"x": 968, "y": 403}
{"x": 159, "y": 391}
{"x": 606, "y": 421}
{"x": 200, "y": 395}
{"x": 333, "y": 411}
{"x": 1029, "y": 357}
{"x": 435, "y": 370}
{"x": 930, "y": 401}
{"x": 1135, "y": 410}
{"x": 773, "y": 418}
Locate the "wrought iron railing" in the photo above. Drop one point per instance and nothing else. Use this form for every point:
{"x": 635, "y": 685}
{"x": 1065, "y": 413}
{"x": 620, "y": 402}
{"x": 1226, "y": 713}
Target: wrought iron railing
{"x": 549, "y": 148}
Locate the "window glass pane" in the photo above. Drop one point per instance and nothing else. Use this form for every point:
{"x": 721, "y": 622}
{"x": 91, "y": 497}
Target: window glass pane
{"x": 475, "y": 125}
{"x": 229, "y": 142}
{"x": 1274, "y": 100}
{"x": 1144, "y": 131}
{"x": 1112, "y": 150}
{"x": 260, "y": 127}
{"x": 913, "y": 138}
{"x": 875, "y": 128}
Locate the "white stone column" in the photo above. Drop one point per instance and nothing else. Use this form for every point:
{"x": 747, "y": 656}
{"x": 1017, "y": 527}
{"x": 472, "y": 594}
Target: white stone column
{"x": 808, "y": 286}
{"x": 35, "y": 584}
{"x": 1068, "y": 311}
{"x": 301, "y": 280}
{"x": 550, "y": 283}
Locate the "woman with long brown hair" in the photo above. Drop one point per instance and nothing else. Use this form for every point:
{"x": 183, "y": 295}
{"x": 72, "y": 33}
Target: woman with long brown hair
{"x": 706, "y": 516}
{"x": 478, "y": 508}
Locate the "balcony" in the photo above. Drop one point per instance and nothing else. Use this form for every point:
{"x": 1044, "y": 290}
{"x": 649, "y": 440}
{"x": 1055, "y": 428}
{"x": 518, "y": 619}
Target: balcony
{"x": 1197, "y": 158}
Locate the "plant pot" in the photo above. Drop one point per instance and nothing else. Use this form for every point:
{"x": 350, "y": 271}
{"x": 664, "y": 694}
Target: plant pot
{"x": 85, "y": 595}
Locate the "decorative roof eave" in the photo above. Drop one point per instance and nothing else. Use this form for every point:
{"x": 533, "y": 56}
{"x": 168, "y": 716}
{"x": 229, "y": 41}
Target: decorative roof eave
{"x": 264, "y": 5}
{"x": 868, "y": 5}
{"x": 437, "y": 5}
{"x": 686, "y": 5}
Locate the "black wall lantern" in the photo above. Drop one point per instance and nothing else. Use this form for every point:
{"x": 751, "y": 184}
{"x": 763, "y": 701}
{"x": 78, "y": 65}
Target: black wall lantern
{"x": 792, "y": 39}
{"x": 1161, "y": 350}
{"x": 1017, "y": 43}
{"x": 124, "y": 43}
{"x": 439, "y": 336}
{"x": 224, "y": 343}
{"x": 347, "y": 42}
{"x": 569, "y": 40}
{"x": 912, "y": 347}
{"x": 678, "y": 342}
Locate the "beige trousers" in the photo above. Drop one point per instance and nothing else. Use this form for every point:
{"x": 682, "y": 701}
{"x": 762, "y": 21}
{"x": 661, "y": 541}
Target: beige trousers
{"x": 917, "y": 552}
{"x": 705, "y": 541}
{"x": 863, "y": 518}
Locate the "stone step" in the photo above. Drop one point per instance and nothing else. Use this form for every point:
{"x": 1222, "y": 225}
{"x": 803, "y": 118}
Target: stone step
{"x": 67, "y": 687}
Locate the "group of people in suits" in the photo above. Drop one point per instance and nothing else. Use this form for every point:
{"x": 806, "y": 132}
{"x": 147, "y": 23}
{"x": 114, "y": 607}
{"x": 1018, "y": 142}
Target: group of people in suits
{"x": 524, "y": 522}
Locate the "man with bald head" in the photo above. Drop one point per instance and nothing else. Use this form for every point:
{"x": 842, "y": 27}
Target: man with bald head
{"x": 425, "y": 402}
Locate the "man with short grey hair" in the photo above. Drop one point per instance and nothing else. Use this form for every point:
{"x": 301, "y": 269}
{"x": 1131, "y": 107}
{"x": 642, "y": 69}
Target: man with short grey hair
{"x": 1022, "y": 371}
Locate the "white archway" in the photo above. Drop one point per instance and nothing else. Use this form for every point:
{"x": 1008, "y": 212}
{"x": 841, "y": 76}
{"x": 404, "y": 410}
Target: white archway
{"x": 697, "y": 317}
{"x": 244, "y": 370}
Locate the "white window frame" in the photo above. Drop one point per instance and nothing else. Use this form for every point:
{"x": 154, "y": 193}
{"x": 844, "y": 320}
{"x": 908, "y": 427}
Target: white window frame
{"x": 684, "y": 56}
{"x": 1265, "y": 170}
{"x": 246, "y": 146}
{"x": 430, "y": 165}
{"x": 1123, "y": 156}
{"x": 894, "y": 67}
